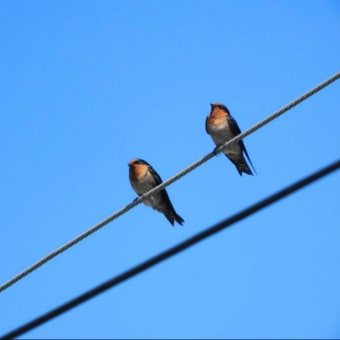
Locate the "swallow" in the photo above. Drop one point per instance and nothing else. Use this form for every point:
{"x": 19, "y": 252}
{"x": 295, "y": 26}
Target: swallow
{"x": 143, "y": 177}
{"x": 221, "y": 126}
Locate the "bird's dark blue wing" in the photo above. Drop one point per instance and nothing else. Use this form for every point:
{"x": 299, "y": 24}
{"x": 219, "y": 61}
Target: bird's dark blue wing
{"x": 206, "y": 126}
{"x": 155, "y": 175}
{"x": 234, "y": 126}
{"x": 236, "y": 131}
{"x": 166, "y": 199}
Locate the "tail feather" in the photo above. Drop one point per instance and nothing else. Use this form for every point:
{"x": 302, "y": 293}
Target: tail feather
{"x": 173, "y": 217}
{"x": 251, "y": 163}
{"x": 241, "y": 165}
{"x": 168, "y": 210}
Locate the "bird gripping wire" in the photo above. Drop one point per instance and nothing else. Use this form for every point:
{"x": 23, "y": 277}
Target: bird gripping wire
{"x": 168, "y": 182}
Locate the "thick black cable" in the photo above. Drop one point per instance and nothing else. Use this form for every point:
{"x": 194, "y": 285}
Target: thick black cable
{"x": 172, "y": 251}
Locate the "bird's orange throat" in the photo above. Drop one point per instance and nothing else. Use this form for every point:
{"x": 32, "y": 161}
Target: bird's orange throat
{"x": 138, "y": 171}
{"x": 216, "y": 119}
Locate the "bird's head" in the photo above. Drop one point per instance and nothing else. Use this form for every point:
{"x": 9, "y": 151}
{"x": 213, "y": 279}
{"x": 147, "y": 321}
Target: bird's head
{"x": 219, "y": 110}
{"x": 138, "y": 168}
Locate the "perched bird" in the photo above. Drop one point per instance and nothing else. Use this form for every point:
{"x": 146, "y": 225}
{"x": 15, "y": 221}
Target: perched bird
{"x": 221, "y": 126}
{"x": 143, "y": 178}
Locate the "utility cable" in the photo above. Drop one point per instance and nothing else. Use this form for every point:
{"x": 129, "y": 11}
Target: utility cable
{"x": 168, "y": 182}
{"x": 128, "y": 274}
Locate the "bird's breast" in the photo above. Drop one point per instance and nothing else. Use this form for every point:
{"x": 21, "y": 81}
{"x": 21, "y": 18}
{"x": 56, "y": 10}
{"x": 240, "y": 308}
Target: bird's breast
{"x": 219, "y": 130}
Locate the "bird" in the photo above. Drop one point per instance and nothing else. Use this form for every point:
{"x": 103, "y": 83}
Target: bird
{"x": 143, "y": 177}
{"x": 222, "y": 127}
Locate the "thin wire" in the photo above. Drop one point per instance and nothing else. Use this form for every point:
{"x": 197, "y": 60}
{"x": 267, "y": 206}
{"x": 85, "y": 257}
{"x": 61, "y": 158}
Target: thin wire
{"x": 168, "y": 182}
{"x": 173, "y": 251}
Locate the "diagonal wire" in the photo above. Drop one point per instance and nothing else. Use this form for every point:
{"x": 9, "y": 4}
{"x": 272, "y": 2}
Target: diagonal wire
{"x": 168, "y": 182}
{"x": 173, "y": 251}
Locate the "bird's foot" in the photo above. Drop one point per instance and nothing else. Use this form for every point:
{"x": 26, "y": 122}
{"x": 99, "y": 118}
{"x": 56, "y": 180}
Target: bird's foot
{"x": 216, "y": 151}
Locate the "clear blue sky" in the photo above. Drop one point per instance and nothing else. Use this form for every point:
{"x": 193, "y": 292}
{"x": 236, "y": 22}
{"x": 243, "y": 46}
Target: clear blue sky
{"x": 86, "y": 86}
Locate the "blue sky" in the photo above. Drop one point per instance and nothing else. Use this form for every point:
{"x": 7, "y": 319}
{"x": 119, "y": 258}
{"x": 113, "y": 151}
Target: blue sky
{"x": 88, "y": 85}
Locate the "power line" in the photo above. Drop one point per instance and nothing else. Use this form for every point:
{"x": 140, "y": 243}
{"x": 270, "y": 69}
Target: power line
{"x": 173, "y": 251}
{"x": 168, "y": 182}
